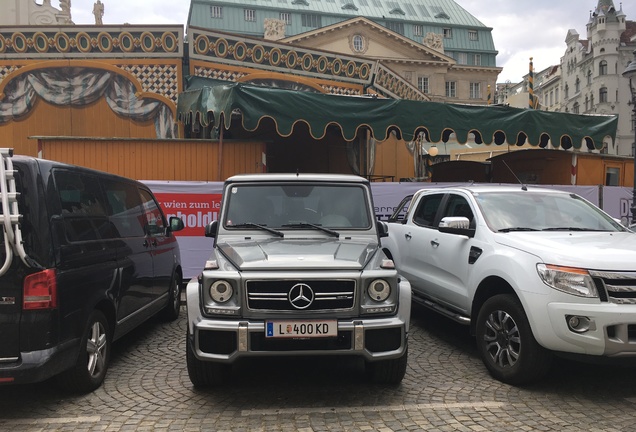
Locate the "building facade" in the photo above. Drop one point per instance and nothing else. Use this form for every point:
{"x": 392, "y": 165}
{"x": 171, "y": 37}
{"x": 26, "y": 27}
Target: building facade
{"x": 592, "y": 81}
{"x": 436, "y": 46}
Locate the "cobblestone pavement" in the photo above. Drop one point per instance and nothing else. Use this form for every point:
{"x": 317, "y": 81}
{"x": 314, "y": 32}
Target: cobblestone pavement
{"x": 446, "y": 388}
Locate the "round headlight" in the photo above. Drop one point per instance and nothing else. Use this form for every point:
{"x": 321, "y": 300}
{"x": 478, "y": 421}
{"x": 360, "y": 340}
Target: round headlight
{"x": 221, "y": 291}
{"x": 379, "y": 290}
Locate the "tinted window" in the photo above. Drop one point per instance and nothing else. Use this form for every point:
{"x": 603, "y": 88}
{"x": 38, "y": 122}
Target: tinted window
{"x": 457, "y": 205}
{"x": 153, "y": 218}
{"x": 83, "y": 210}
{"x": 124, "y": 208}
{"x": 427, "y": 209}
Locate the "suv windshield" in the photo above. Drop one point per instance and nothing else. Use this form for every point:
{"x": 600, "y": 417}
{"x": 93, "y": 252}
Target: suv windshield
{"x": 298, "y": 206}
{"x": 530, "y": 211}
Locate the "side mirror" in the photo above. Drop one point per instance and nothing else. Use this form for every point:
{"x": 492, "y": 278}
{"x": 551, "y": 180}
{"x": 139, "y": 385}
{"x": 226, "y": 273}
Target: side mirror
{"x": 456, "y": 225}
{"x": 176, "y": 223}
{"x": 383, "y": 229}
{"x": 211, "y": 229}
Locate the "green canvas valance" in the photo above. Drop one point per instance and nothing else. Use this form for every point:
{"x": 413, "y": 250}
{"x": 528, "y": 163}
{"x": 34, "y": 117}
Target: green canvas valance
{"x": 487, "y": 124}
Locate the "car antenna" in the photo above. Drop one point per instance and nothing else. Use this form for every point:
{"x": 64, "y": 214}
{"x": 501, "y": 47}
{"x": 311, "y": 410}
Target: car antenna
{"x": 523, "y": 186}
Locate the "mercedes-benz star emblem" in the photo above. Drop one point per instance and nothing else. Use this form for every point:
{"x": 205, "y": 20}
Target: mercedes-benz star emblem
{"x": 301, "y": 296}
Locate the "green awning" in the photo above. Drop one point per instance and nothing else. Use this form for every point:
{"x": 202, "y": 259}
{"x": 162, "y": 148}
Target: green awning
{"x": 488, "y": 124}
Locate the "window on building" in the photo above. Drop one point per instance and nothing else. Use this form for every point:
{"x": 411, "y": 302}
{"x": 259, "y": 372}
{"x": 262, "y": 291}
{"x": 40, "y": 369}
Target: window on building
{"x": 577, "y": 86}
{"x": 418, "y": 30}
{"x": 556, "y": 95}
{"x": 551, "y": 98}
{"x": 587, "y": 103}
{"x": 475, "y": 90}
{"x": 462, "y": 58}
{"x": 567, "y": 91}
{"x": 477, "y": 59}
{"x": 451, "y": 89}
{"x": 422, "y": 84}
{"x": 397, "y": 27}
{"x": 358, "y": 43}
{"x": 216, "y": 12}
{"x": 602, "y": 67}
{"x": 575, "y": 108}
{"x": 473, "y": 35}
{"x": 589, "y": 77}
{"x": 249, "y": 14}
{"x": 286, "y": 17}
{"x": 448, "y": 33}
{"x": 612, "y": 176}
{"x": 311, "y": 20}
{"x": 602, "y": 94}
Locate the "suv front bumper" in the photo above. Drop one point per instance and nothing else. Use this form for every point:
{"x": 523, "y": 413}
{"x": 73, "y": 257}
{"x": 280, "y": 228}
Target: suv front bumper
{"x": 226, "y": 341}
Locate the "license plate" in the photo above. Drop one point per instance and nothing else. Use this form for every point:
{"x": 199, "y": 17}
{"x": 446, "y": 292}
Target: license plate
{"x": 301, "y": 329}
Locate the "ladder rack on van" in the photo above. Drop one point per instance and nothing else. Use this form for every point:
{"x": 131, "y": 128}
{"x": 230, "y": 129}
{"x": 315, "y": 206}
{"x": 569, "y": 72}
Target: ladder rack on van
{"x": 10, "y": 217}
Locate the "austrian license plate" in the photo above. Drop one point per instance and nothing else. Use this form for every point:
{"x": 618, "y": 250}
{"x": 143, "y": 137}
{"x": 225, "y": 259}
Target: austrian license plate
{"x": 301, "y": 329}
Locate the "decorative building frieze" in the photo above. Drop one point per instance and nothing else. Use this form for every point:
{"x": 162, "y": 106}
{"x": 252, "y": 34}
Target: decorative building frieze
{"x": 91, "y": 42}
{"x": 392, "y": 85}
{"x": 258, "y": 54}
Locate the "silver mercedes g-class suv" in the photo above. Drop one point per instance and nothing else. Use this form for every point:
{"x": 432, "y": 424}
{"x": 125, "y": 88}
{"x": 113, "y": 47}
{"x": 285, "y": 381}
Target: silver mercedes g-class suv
{"x": 297, "y": 269}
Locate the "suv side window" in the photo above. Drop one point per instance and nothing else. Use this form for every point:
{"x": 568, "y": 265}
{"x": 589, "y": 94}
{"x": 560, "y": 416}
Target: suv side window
{"x": 427, "y": 209}
{"x": 83, "y": 210}
{"x": 153, "y": 218}
{"x": 125, "y": 209}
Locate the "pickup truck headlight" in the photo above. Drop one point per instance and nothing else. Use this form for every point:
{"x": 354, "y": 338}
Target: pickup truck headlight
{"x": 221, "y": 291}
{"x": 379, "y": 290}
{"x": 571, "y": 280}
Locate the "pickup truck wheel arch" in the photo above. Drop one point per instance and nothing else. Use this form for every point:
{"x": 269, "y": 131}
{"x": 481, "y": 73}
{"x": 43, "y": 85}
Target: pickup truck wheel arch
{"x": 506, "y": 343}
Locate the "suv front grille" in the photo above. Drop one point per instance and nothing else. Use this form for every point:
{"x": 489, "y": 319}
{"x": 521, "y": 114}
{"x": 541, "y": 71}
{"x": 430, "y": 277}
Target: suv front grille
{"x": 615, "y": 287}
{"x": 317, "y": 295}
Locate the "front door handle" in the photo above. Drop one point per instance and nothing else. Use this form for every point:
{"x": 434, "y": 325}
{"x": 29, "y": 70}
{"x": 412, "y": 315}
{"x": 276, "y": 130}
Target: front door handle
{"x": 434, "y": 243}
{"x": 408, "y": 236}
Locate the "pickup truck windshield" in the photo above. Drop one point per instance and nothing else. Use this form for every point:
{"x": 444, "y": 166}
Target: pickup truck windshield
{"x": 297, "y": 206}
{"x": 530, "y": 211}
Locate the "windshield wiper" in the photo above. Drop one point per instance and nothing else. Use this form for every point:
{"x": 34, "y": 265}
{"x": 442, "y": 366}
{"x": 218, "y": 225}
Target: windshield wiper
{"x": 261, "y": 227}
{"x": 571, "y": 229}
{"x": 310, "y": 225}
{"x": 505, "y": 230}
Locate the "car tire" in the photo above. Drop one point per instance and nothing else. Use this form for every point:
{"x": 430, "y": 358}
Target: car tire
{"x": 89, "y": 370}
{"x": 173, "y": 308}
{"x": 388, "y": 371}
{"x": 506, "y": 343}
{"x": 204, "y": 373}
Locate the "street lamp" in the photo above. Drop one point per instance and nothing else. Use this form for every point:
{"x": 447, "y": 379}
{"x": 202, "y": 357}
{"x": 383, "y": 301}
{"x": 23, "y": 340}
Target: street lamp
{"x": 630, "y": 73}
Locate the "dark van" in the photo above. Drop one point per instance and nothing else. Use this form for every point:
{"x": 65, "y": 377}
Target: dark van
{"x": 85, "y": 257}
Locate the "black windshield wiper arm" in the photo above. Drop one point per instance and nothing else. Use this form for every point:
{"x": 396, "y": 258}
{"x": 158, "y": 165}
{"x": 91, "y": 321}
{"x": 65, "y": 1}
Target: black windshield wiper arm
{"x": 570, "y": 229}
{"x": 310, "y": 225}
{"x": 261, "y": 227}
{"x": 505, "y": 230}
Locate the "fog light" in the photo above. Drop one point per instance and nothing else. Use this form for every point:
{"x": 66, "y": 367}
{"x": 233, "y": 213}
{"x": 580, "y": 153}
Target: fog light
{"x": 578, "y": 324}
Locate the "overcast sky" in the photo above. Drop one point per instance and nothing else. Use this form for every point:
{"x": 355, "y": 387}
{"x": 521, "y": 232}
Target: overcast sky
{"x": 521, "y": 28}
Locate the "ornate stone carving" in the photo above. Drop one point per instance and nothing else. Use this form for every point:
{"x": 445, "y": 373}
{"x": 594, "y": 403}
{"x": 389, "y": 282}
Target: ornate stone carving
{"x": 274, "y": 29}
{"x": 433, "y": 41}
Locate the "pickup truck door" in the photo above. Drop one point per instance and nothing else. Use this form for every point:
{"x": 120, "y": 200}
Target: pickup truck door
{"x": 440, "y": 260}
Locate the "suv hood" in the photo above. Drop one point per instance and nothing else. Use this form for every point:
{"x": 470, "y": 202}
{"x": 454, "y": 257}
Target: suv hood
{"x": 272, "y": 254}
{"x": 594, "y": 250}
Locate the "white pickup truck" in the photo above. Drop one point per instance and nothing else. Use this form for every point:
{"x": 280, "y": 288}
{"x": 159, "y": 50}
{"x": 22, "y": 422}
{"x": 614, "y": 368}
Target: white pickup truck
{"x": 533, "y": 271}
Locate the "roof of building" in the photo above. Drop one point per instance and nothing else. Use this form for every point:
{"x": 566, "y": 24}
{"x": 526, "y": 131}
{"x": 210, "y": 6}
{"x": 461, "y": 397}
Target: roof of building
{"x": 437, "y": 12}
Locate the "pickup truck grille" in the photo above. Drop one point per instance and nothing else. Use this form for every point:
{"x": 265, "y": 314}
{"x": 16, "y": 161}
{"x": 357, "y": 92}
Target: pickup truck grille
{"x": 615, "y": 287}
{"x": 300, "y": 295}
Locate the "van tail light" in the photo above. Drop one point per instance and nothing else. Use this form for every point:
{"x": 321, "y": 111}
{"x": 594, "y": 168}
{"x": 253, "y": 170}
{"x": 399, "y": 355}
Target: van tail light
{"x": 40, "y": 291}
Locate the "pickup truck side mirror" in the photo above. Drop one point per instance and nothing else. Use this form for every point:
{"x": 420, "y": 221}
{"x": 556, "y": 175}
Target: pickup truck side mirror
{"x": 456, "y": 225}
{"x": 211, "y": 229}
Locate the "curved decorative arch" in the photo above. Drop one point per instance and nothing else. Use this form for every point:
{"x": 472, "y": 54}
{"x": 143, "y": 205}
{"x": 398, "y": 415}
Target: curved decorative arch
{"x": 52, "y": 64}
{"x": 65, "y": 83}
